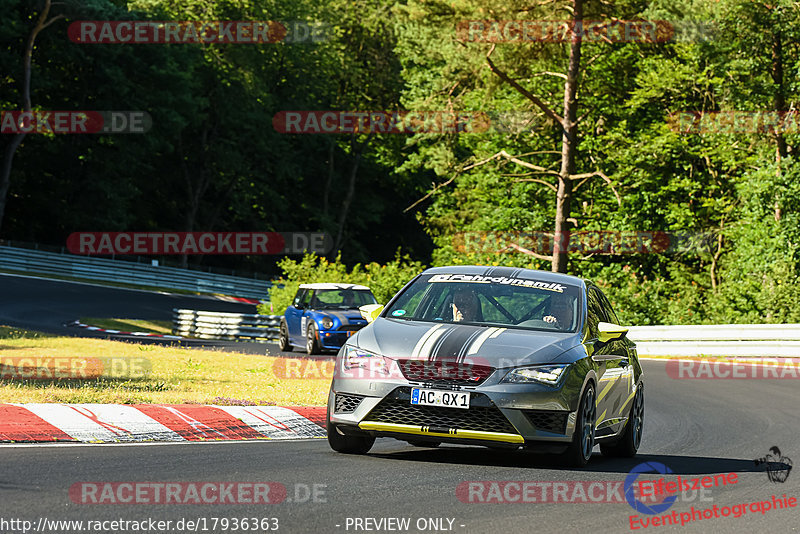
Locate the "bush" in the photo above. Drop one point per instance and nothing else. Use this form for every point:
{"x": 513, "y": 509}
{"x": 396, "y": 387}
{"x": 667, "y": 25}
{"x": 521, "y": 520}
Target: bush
{"x": 383, "y": 280}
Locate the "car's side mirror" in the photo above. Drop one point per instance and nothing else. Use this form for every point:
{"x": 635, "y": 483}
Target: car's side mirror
{"x": 370, "y": 312}
{"x": 299, "y": 305}
{"x": 610, "y": 331}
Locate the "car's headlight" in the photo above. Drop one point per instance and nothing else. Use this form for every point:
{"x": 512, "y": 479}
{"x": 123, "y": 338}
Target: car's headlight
{"x": 355, "y": 357}
{"x": 327, "y": 323}
{"x": 543, "y": 374}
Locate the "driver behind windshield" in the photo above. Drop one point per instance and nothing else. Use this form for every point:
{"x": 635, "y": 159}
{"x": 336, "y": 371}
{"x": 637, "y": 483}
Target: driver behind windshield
{"x": 348, "y": 298}
{"x": 466, "y": 306}
{"x": 560, "y": 313}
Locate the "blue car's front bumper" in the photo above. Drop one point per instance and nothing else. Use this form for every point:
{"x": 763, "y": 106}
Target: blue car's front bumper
{"x": 334, "y": 339}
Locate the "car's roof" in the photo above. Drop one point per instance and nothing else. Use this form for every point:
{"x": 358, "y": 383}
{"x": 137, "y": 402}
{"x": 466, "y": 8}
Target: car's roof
{"x": 508, "y": 272}
{"x": 329, "y": 285}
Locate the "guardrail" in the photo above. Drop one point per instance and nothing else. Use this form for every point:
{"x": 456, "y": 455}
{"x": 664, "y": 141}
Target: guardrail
{"x": 754, "y": 340}
{"x": 88, "y": 268}
{"x": 218, "y": 325}
{"x": 771, "y": 340}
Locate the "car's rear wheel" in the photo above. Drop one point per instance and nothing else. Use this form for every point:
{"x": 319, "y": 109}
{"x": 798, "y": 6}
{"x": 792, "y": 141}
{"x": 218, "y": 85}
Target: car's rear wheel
{"x": 312, "y": 344}
{"x": 346, "y": 444}
{"x": 628, "y": 444}
{"x": 580, "y": 449}
{"x": 283, "y": 338}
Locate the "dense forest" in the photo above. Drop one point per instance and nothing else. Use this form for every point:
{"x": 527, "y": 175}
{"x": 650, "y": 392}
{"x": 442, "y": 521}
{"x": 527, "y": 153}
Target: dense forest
{"x": 526, "y": 143}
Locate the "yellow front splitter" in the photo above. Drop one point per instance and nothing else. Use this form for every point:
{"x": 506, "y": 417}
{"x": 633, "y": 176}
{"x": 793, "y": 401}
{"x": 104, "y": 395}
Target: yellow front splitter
{"x": 452, "y": 433}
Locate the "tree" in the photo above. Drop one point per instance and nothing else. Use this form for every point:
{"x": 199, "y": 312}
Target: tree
{"x": 42, "y": 22}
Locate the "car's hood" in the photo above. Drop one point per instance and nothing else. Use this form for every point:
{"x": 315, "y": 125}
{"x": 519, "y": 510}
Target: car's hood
{"x": 497, "y": 347}
{"x": 344, "y": 316}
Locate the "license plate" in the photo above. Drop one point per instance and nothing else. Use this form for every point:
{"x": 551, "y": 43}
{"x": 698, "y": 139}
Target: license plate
{"x": 434, "y": 397}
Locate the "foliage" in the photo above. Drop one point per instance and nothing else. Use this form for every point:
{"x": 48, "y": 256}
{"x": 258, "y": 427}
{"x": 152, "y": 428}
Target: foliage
{"x": 384, "y": 280}
{"x": 213, "y": 162}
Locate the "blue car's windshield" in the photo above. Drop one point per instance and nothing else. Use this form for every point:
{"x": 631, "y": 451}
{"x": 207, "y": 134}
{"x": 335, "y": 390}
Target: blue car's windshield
{"x": 501, "y": 301}
{"x": 328, "y": 299}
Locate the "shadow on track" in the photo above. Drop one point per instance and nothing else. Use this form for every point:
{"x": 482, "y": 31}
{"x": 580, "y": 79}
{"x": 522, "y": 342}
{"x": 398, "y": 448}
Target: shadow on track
{"x": 680, "y": 465}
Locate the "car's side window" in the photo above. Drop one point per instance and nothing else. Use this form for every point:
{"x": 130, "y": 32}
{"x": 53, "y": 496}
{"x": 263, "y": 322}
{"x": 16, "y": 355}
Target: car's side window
{"x": 611, "y": 317}
{"x": 298, "y": 299}
{"x": 595, "y": 313}
{"x": 306, "y": 301}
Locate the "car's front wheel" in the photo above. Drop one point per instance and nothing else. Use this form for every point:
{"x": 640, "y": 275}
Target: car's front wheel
{"x": 628, "y": 444}
{"x": 346, "y": 444}
{"x": 283, "y": 338}
{"x": 580, "y": 449}
{"x": 312, "y": 344}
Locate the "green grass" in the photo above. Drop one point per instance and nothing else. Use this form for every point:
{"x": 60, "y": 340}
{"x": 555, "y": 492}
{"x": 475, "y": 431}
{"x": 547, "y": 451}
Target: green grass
{"x": 130, "y": 325}
{"x": 171, "y": 375}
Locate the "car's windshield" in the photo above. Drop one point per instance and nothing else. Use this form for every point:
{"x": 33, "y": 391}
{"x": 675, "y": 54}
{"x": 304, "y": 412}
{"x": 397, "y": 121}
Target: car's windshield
{"x": 501, "y": 301}
{"x": 342, "y": 298}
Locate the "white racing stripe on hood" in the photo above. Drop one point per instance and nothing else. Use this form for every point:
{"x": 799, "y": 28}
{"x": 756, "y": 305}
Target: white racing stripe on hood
{"x": 426, "y": 342}
{"x": 476, "y": 345}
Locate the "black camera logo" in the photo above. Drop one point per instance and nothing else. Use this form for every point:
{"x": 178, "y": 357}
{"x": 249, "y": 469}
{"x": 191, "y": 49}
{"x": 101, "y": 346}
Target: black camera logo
{"x": 777, "y": 466}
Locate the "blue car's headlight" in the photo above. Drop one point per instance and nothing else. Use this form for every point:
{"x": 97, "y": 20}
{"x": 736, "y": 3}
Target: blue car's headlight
{"x": 542, "y": 374}
{"x": 327, "y": 323}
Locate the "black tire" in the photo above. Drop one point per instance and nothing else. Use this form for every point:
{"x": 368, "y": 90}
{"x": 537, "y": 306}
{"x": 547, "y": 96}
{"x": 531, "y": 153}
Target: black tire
{"x": 348, "y": 444}
{"x": 628, "y": 444}
{"x": 312, "y": 344}
{"x": 283, "y": 338}
{"x": 580, "y": 450}
{"x": 431, "y": 444}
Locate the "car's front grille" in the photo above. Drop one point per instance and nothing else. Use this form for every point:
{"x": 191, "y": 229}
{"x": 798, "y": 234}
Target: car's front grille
{"x": 346, "y": 403}
{"x": 351, "y": 327}
{"x": 444, "y": 373}
{"x": 548, "y": 420}
{"x": 482, "y": 415}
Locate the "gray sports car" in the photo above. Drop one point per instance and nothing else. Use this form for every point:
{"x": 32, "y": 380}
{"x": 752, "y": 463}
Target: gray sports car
{"x": 492, "y": 356}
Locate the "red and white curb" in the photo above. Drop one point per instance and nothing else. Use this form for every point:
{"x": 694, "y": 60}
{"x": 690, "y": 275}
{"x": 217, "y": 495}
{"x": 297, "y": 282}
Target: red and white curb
{"x": 115, "y": 423}
{"x": 121, "y": 332}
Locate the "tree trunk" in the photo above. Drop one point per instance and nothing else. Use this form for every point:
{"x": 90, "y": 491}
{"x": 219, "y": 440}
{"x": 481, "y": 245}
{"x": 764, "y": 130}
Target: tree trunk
{"x": 569, "y": 144}
{"x": 779, "y": 96}
{"x": 779, "y": 105}
{"x": 11, "y": 148}
{"x": 327, "y": 192}
{"x": 348, "y": 199}
{"x": 5, "y": 177}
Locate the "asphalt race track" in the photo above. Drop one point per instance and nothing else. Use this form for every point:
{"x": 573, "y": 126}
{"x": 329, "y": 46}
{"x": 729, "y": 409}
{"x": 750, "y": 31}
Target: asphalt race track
{"x": 695, "y": 427}
{"x": 46, "y": 305}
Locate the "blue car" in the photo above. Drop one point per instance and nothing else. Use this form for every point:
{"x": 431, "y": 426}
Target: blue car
{"x": 323, "y": 316}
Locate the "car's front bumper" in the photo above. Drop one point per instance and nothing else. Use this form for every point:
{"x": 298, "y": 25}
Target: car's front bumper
{"x": 334, "y": 339}
{"x": 499, "y": 413}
